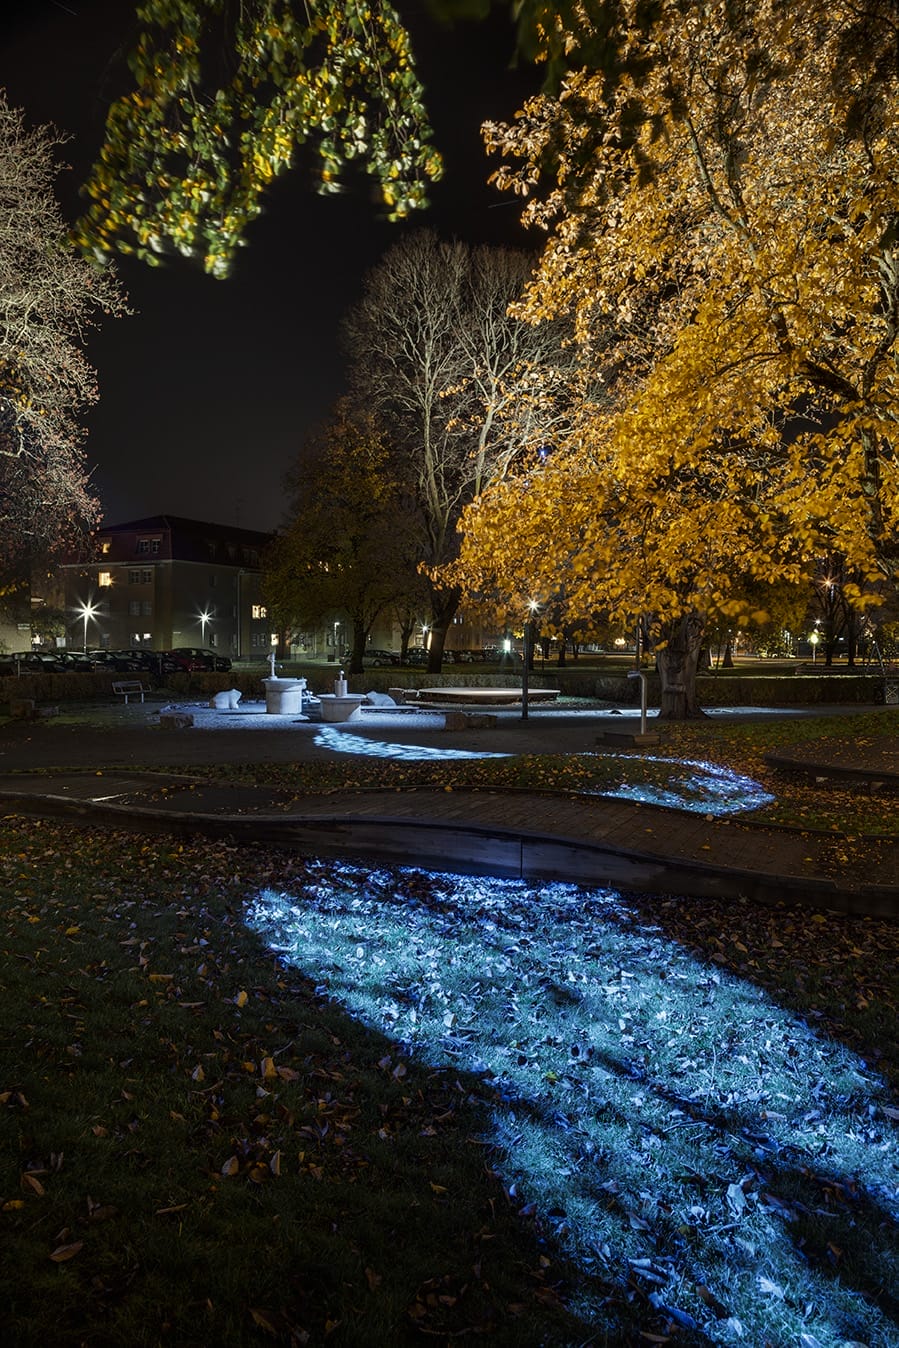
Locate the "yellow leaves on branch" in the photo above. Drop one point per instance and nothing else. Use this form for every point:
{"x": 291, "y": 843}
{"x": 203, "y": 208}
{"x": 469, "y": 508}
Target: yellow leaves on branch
{"x": 341, "y": 78}
{"x": 721, "y": 223}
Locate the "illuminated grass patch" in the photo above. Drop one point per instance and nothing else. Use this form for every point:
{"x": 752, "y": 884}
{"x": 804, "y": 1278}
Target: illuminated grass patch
{"x": 342, "y": 742}
{"x": 686, "y": 784}
{"x": 688, "y": 1140}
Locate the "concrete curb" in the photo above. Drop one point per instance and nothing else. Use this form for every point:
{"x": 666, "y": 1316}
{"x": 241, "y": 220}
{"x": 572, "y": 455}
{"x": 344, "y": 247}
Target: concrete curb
{"x": 437, "y": 844}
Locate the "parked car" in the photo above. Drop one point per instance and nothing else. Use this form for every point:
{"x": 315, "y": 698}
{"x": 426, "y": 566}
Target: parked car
{"x": 182, "y": 661}
{"x": 121, "y": 662}
{"x": 145, "y": 659}
{"x": 417, "y": 656}
{"x": 202, "y": 657}
{"x": 33, "y": 662}
{"x": 373, "y": 659}
{"x": 76, "y": 662}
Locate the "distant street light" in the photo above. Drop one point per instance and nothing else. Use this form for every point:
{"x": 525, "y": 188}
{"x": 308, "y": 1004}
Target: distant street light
{"x": 87, "y": 610}
{"x": 205, "y": 619}
{"x": 813, "y": 641}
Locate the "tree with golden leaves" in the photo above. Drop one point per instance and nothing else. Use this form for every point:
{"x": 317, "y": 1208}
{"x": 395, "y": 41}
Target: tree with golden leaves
{"x": 720, "y": 199}
{"x": 225, "y": 94}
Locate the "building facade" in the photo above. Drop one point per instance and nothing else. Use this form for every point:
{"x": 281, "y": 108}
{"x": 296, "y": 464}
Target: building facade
{"x": 165, "y": 581}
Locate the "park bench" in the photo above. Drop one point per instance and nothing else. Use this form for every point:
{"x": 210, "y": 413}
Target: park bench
{"x": 129, "y": 688}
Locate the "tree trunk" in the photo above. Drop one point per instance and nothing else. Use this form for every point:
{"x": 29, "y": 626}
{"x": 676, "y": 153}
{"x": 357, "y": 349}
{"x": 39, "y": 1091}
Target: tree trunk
{"x": 444, "y": 604}
{"x": 360, "y": 635}
{"x": 677, "y": 663}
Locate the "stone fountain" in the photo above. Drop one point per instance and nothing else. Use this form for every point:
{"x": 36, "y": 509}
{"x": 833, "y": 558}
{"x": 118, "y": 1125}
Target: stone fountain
{"x": 283, "y": 697}
{"x": 340, "y": 705}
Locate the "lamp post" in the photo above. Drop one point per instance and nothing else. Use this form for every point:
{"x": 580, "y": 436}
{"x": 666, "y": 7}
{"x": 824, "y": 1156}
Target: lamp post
{"x": 528, "y": 646}
{"x": 813, "y": 642}
{"x": 86, "y": 611}
{"x": 205, "y": 619}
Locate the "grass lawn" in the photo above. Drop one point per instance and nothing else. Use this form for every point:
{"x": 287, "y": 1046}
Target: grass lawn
{"x": 734, "y": 747}
{"x": 252, "y": 1099}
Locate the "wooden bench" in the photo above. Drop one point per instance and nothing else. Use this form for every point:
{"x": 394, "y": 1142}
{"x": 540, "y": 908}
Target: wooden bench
{"x": 129, "y": 688}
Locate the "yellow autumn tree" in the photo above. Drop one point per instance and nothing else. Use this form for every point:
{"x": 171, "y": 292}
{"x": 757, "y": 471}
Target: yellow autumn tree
{"x": 224, "y": 95}
{"x": 720, "y": 200}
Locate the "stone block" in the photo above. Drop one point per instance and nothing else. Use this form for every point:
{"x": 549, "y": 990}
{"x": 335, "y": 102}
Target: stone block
{"x": 466, "y": 720}
{"x": 175, "y": 720}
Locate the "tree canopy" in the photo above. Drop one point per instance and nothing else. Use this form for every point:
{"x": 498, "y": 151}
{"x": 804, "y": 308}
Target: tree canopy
{"x": 49, "y": 298}
{"x": 225, "y": 95}
{"x": 433, "y": 348}
{"x": 350, "y": 544}
{"x": 722, "y": 230}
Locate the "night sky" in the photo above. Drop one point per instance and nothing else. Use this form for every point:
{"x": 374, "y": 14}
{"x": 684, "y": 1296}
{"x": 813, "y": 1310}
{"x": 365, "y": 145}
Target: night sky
{"x": 206, "y": 392}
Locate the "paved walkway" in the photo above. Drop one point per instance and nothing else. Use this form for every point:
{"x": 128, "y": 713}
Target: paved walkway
{"x": 100, "y": 777}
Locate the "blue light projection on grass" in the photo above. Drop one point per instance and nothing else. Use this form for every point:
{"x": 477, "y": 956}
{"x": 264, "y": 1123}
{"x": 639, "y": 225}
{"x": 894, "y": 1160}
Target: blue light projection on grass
{"x": 703, "y": 788}
{"x": 342, "y": 742}
{"x": 673, "y": 1126}
{"x": 707, "y": 789}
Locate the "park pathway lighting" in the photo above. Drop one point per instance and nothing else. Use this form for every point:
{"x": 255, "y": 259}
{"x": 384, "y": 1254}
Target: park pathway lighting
{"x": 814, "y": 638}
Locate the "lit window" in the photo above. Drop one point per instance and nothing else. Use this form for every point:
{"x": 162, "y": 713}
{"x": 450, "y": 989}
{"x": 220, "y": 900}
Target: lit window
{"x": 105, "y": 546}
{"x": 104, "y": 578}
{"x": 259, "y": 611}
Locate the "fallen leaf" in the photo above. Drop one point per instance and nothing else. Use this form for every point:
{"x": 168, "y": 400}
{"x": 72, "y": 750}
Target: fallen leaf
{"x": 64, "y": 1252}
{"x": 262, "y": 1320}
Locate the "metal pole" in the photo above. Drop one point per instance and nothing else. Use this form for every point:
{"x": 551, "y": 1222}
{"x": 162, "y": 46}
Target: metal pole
{"x": 525, "y": 671}
{"x": 644, "y": 694}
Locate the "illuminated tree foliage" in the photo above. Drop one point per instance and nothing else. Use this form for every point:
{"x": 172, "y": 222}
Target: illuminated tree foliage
{"x": 49, "y": 298}
{"x": 721, "y": 211}
{"x": 224, "y": 95}
{"x": 350, "y": 544}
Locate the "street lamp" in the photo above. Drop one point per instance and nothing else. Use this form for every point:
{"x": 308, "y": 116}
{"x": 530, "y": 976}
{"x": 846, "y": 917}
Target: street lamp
{"x": 813, "y": 642}
{"x": 205, "y": 619}
{"x": 86, "y": 610}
